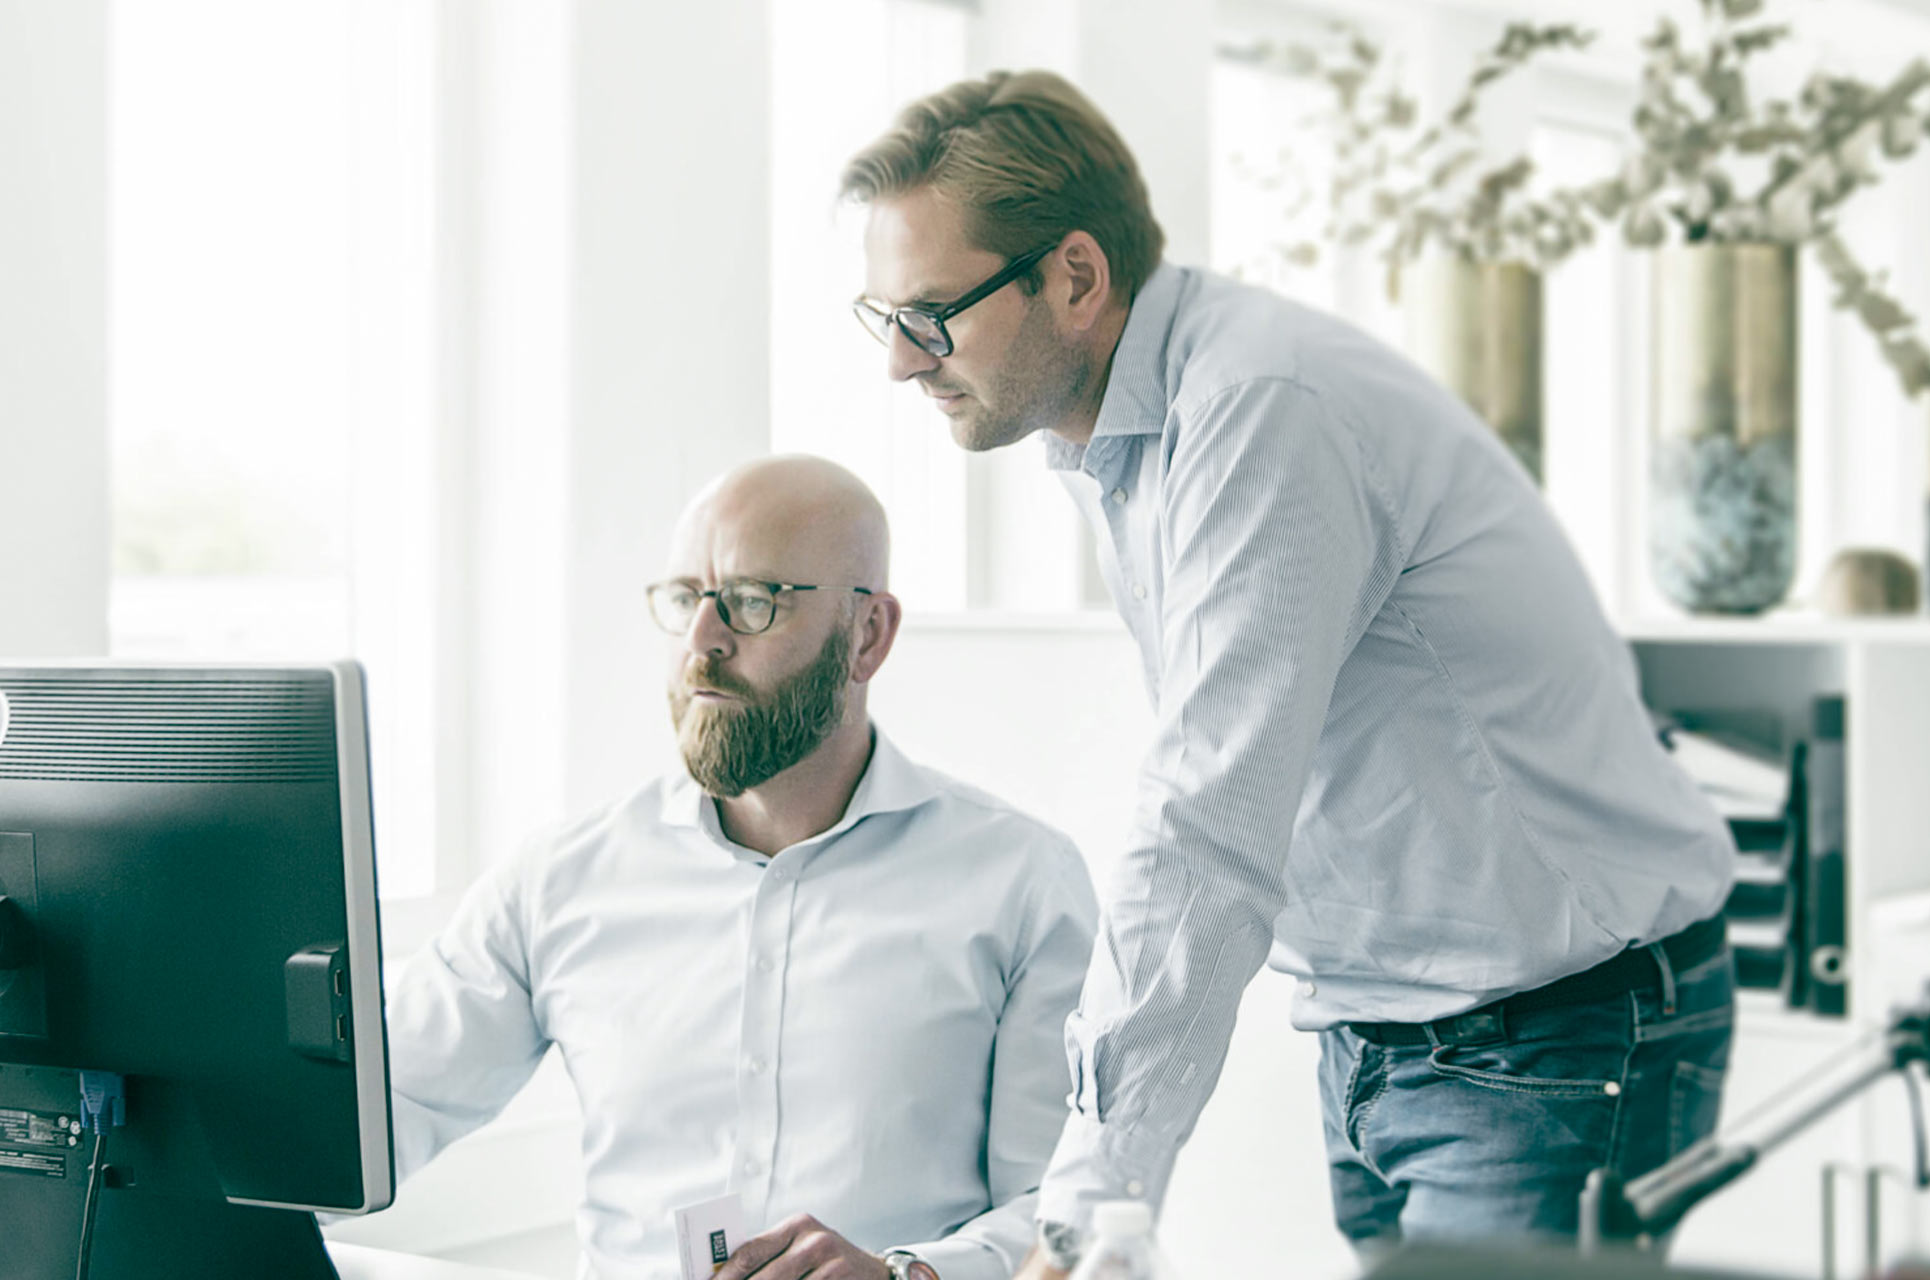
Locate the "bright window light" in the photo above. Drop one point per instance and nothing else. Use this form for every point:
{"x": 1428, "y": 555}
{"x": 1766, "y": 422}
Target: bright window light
{"x": 271, "y": 287}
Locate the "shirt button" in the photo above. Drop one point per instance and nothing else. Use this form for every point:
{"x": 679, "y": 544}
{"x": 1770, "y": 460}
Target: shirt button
{"x": 1135, "y": 1188}
{"x": 1309, "y": 989}
{"x": 756, "y": 1066}
{"x": 765, "y": 964}
{"x": 752, "y": 1166}
{"x": 1119, "y": 497}
{"x": 780, "y": 875}
{"x": 1139, "y": 591}
{"x": 1612, "y": 1089}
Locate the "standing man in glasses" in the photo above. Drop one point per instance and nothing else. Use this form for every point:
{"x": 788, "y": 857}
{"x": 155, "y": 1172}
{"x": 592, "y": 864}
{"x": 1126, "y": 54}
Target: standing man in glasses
{"x": 1399, "y": 748}
{"x": 805, "y": 969}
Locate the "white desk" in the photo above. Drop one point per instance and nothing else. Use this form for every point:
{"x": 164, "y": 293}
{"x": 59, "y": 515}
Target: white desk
{"x": 359, "y": 1262}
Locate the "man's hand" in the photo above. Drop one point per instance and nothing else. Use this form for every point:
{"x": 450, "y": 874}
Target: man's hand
{"x": 1035, "y": 1267}
{"x": 798, "y": 1245}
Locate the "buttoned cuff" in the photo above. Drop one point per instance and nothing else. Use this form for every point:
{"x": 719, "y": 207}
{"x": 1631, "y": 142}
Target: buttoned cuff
{"x": 962, "y": 1258}
{"x": 1095, "y": 1162}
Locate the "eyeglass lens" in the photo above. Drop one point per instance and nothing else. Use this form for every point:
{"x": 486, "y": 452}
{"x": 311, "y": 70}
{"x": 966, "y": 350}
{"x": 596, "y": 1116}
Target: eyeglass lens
{"x": 746, "y": 607}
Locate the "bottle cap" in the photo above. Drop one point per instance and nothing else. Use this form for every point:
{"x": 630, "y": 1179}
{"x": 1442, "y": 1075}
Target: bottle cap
{"x": 1122, "y": 1218}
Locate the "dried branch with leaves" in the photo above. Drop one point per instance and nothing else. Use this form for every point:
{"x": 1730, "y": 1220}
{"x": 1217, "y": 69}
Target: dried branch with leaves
{"x": 1714, "y": 163}
{"x": 1401, "y": 185}
{"x": 1710, "y": 160}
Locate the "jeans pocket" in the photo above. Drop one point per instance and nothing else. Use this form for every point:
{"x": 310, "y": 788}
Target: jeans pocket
{"x": 1695, "y": 1100}
{"x": 1493, "y": 1067}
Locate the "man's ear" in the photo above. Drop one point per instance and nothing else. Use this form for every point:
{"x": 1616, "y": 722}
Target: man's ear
{"x": 1087, "y": 279}
{"x": 878, "y": 620}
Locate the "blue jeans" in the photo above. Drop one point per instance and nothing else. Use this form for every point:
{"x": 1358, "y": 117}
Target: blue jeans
{"x": 1470, "y": 1140}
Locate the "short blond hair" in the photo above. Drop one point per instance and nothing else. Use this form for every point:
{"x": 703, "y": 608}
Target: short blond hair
{"x": 1030, "y": 159}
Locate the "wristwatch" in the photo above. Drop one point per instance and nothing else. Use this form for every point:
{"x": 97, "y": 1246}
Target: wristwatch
{"x": 906, "y": 1265}
{"x": 1060, "y": 1244}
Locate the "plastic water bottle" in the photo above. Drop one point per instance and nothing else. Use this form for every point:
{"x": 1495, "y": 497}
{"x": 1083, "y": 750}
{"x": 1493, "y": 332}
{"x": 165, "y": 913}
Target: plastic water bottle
{"x": 1122, "y": 1245}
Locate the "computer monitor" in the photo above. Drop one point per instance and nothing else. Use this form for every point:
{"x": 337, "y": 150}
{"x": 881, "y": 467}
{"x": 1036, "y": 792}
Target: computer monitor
{"x": 187, "y": 861}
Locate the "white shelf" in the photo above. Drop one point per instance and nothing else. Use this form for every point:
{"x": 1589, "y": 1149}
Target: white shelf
{"x": 1786, "y": 627}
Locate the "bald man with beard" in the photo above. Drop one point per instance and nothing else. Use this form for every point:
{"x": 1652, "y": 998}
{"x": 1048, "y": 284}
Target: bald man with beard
{"x": 804, "y": 969}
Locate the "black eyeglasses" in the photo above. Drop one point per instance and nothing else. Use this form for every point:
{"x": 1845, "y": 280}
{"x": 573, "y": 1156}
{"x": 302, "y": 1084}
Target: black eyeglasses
{"x": 746, "y": 607}
{"x": 923, "y": 323}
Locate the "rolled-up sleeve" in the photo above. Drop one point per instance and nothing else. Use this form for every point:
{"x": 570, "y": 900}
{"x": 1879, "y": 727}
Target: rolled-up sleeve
{"x": 1276, "y": 553}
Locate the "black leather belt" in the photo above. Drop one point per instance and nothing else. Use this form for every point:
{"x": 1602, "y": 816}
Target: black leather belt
{"x": 1629, "y": 970}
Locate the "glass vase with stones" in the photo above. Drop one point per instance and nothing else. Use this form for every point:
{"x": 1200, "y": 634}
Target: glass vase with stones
{"x": 1476, "y": 327}
{"x": 1722, "y": 467}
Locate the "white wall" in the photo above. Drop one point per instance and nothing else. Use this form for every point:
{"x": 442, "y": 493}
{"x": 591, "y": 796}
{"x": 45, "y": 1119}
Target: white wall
{"x": 620, "y": 276}
{"x": 53, "y": 327}
{"x": 671, "y": 283}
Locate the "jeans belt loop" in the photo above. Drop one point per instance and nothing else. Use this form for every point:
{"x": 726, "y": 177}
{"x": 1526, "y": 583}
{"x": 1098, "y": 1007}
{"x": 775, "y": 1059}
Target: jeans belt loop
{"x": 1667, "y": 972}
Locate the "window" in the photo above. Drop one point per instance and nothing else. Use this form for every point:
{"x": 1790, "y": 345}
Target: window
{"x": 271, "y": 354}
{"x": 1270, "y": 166}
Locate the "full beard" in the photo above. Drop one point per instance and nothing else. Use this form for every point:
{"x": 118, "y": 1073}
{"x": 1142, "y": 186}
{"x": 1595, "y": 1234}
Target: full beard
{"x": 731, "y": 748}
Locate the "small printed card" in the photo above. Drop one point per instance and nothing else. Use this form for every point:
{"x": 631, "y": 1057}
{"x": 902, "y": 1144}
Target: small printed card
{"x": 707, "y": 1233}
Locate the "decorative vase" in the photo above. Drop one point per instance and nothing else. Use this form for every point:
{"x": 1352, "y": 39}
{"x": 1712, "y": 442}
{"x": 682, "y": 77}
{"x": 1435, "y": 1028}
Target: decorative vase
{"x": 1476, "y": 326}
{"x": 1722, "y": 469}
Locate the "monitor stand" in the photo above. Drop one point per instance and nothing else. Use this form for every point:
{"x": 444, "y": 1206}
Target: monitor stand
{"x": 145, "y": 1236}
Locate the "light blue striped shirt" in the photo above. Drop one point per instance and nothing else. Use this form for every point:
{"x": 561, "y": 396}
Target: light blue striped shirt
{"x": 1398, "y": 743}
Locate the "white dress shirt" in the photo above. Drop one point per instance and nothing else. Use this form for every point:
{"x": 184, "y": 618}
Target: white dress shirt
{"x": 869, "y": 1027}
{"x": 1398, "y": 745}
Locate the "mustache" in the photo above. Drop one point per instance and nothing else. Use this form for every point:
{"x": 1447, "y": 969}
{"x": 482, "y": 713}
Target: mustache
{"x": 936, "y": 389}
{"x": 709, "y": 678}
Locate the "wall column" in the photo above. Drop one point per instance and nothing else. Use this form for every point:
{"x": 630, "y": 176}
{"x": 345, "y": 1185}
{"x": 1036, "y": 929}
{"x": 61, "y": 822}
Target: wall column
{"x": 53, "y": 328}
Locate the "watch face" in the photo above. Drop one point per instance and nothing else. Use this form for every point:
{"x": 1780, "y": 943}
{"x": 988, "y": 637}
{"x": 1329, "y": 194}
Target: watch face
{"x": 919, "y": 1269}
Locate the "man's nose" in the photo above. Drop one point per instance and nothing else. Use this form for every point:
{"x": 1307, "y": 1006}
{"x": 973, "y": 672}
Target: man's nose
{"x": 707, "y": 633}
{"x": 905, "y": 358}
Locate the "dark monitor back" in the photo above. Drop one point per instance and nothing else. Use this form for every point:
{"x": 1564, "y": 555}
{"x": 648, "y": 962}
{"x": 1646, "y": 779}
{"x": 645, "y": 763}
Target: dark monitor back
{"x": 177, "y": 835}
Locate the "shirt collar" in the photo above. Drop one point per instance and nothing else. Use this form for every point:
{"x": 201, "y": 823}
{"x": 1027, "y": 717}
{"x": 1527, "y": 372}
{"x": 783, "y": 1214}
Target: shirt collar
{"x": 1135, "y": 399}
{"x": 891, "y": 783}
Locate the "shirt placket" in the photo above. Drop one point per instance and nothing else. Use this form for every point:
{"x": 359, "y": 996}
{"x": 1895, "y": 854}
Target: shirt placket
{"x": 766, "y": 966}
{"x": 1124, "y": 490}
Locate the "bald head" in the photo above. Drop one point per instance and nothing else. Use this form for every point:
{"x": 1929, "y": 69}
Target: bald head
{"x": 792, "y": 518}
{"x": 785, "y": 696}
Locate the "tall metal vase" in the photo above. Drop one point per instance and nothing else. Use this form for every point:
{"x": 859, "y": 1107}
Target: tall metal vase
{"x": 1476, "y": 326}
{"x": 1722, "y": 469}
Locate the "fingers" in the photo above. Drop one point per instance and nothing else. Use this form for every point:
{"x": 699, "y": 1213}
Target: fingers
{"x": 801, "y": 1246}
{"x": 756, "y": 1252}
